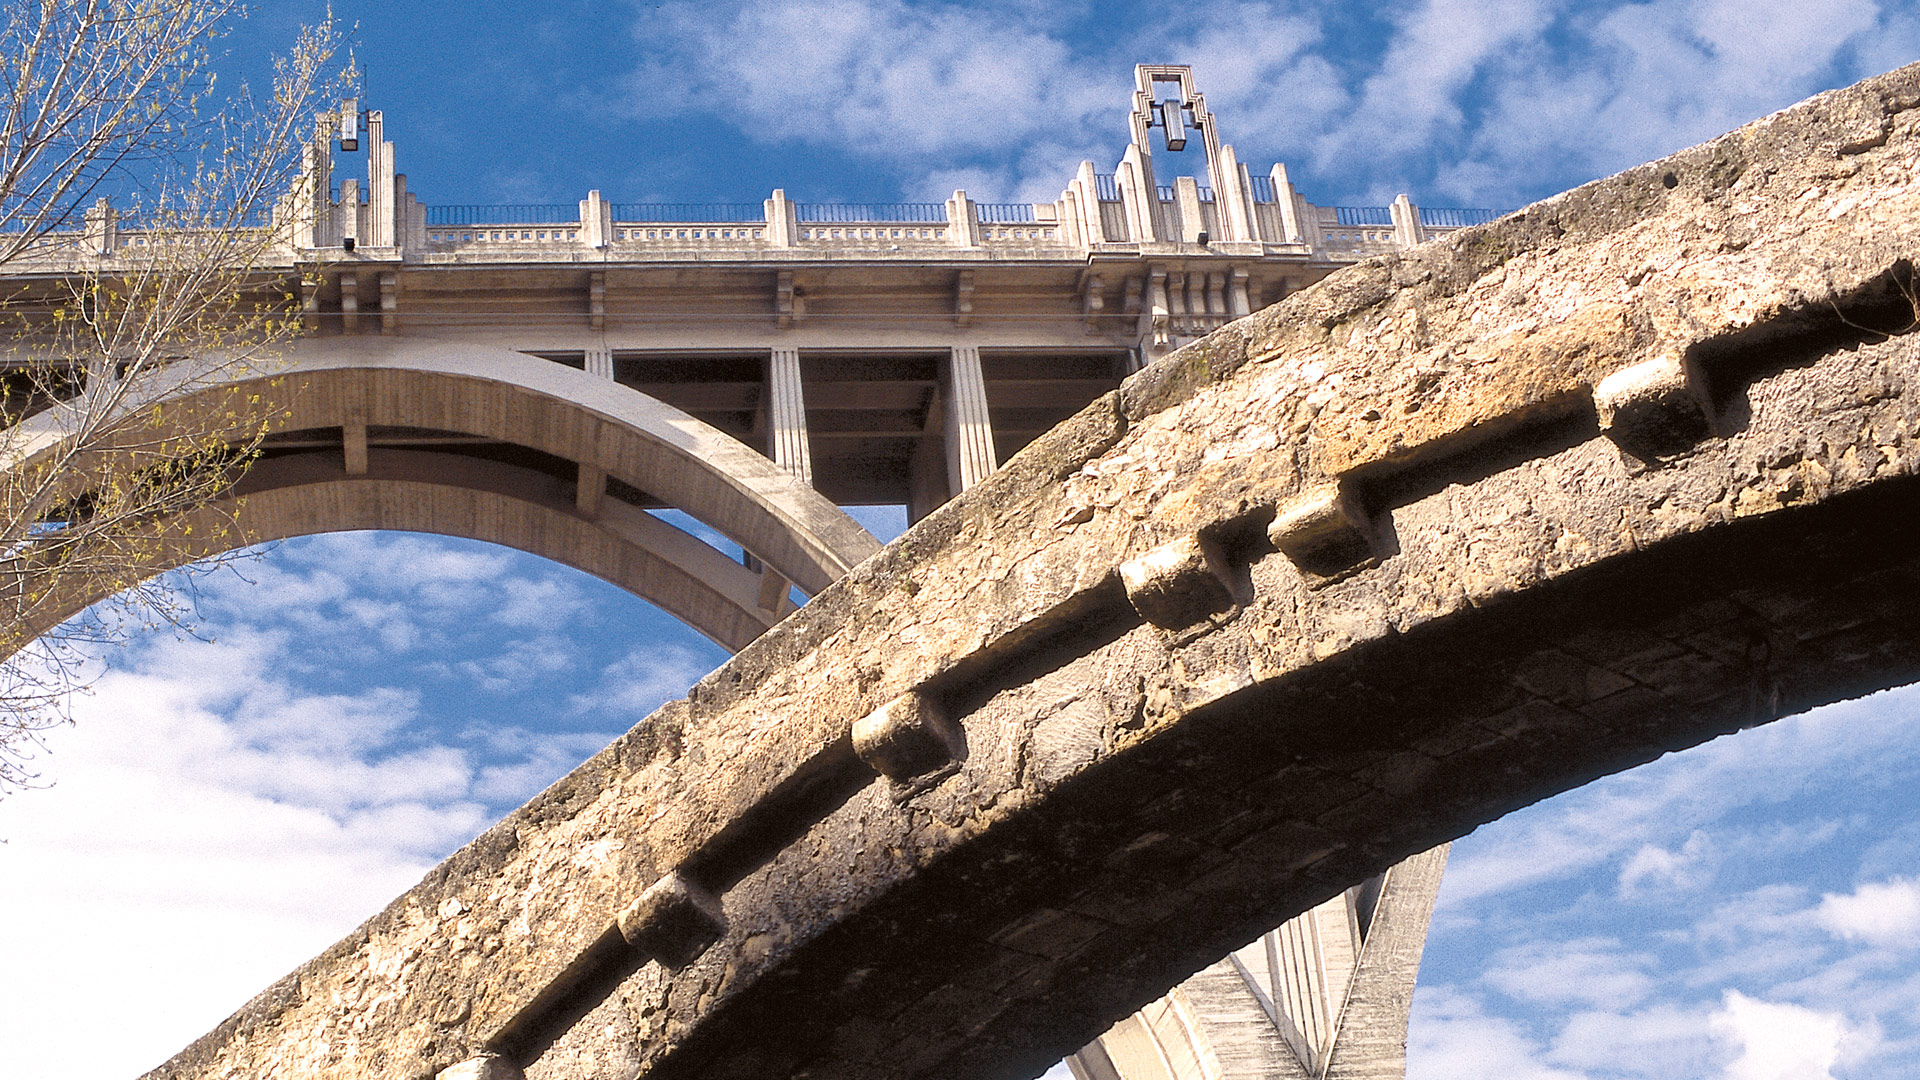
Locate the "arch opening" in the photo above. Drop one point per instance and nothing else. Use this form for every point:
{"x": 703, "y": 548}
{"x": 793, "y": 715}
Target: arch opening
{"x": 361, "y": 704}
{"x": 505, "y": 447}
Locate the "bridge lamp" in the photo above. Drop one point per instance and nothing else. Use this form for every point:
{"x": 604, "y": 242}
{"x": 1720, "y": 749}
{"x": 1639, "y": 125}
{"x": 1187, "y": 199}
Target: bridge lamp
{"x": 1173, "y": 123}
{"x": 349, "y": 125}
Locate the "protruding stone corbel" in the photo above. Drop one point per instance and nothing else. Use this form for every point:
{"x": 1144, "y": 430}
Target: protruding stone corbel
{"x": 785, "y": 308}
{"x": 389, "y": 301}
{"x": 1093, "y": 301}
{"x": 597, "y": 298}
{"x": 1654, "y": 408}
{"x": 907, "y": 737}
{"x": 310, "y": 302}
{"x": 1179, "y": 584}
{"x": 963, "y": 298}
{"x": 1160, "y": 315}
{"x": 673, "y": 921}
{"x": 349, "y": 302}
{"x": 486, "y": 1067}
{"x": 1239, "y": 302}
{"x": 1323, "y": 531}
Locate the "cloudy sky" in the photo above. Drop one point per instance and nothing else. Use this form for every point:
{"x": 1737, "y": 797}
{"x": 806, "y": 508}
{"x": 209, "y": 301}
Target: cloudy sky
{"x": 362, "y": 704}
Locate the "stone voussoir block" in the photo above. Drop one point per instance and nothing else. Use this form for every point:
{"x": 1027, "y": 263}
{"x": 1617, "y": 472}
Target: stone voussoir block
{"x": 1654, "y": 408}
{"x": 673, "y": 921}
{"x": 910, "y": 736}
{"x": 487, "y": 1067}
{"x": 1178, "y": 584}
{"x": 1323, "y": 530}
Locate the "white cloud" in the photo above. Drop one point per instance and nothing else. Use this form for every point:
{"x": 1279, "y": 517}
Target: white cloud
{"x": 1871, "y": 741}
{"x": 1883, "y": 914}
{"x": 1657, "y": 1043}
{"x": 1485, "y": 102}
{"x": 1779, "y": 1041}
{"x": 1684, "y": 869}
{"x": 224, "y": 811}
{"x": 1591, "y": 971}
{"x": 641, "y": 682}
{"x": 1452, "y": 1038}
{"x": 196, "y": 850}
{"x": 880, "y": 78}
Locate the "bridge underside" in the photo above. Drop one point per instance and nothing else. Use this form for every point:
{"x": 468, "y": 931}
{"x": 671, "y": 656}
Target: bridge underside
{"x": 490, "y": 444}
{"x": 1448, "y": 533}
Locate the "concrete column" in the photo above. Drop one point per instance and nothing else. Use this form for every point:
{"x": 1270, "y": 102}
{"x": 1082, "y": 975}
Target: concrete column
{"x": 1232, "y": 199}
{"x": 589, "y": 489}
{"x": 1134, "y": 177}
{"x": 353, "y": 444}
{"x": 1406, "y": 221}
{"x": 312, "y": 229}
{"x": 969, "y": 430}
{"x": 1087, "y": 183}
{"x": 963, "y": 221}
{"x": 1288, "y": 203}
{"x": 349, "y": 211}
{"x": 596, "y": 221}
{"x": 599, "y": 363}
{"x": 787, "y": 415}
{"x": 1193, "y": 220}
{"x": 415, "y": 216}
{"x": 380, "y": 200}
{"x": 783, "y": 220}
{"x": 399, "y": 215}
{"x": 102, "y": 228}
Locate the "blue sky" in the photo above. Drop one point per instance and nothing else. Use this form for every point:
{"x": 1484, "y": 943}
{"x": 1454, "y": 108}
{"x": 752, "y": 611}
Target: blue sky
{"x": 365, "y": 703}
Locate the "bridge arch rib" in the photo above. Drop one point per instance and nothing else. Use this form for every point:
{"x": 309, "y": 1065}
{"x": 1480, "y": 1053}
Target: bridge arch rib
{"x": 1453, "y": 531}
{"x": 557, "y": 416}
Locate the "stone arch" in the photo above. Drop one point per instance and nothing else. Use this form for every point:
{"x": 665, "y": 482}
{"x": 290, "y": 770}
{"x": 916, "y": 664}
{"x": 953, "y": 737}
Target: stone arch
{"x": 1451, "y": 532}
{"x": 557, "y": 414}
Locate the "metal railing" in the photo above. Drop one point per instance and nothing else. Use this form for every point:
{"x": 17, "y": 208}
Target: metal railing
{"x": 1447, "y": 217}
{"x": 504, "y": 214}
{"x": 842, "y": 212}
{"x": 701, "y": 212}
{"x": 1005, "y": 213}
{"x": 1261, "y": 188}
{"x": 1106, "y": 187}
{"x": 1363, "y": 215}
{"x": 1165, "y": 191}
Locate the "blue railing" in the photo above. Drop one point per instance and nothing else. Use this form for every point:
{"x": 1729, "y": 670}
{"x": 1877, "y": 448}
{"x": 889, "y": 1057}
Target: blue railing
{"x": 701, "y": 212}
{"x": 1012, "y": 213}
{"x": 1206, "y": 193}
{"x": 504, "y": 214}
{"x": 838, "y": 212}
{"x": 1165, "y": 191}
{"x": 1106, "y": 187}
{"x": 1446, "y": 217}
{"x": 1261, "y": 188}
{"x": 1363, "y": 215}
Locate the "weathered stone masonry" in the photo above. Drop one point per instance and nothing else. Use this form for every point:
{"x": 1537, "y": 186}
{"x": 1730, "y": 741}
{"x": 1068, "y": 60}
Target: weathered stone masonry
{"x": 1453, "y": 531}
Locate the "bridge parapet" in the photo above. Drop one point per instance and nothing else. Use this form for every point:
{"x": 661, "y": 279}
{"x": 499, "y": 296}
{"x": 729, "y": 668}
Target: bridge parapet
{"x": 1153, "y": 259}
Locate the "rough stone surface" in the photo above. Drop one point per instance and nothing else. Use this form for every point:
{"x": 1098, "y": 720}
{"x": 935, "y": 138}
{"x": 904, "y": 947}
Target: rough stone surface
{"x": 1134, "y": 801}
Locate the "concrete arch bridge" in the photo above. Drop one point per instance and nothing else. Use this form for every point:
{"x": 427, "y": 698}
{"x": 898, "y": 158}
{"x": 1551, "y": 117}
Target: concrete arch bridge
{"x": 1459, "y": 527}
